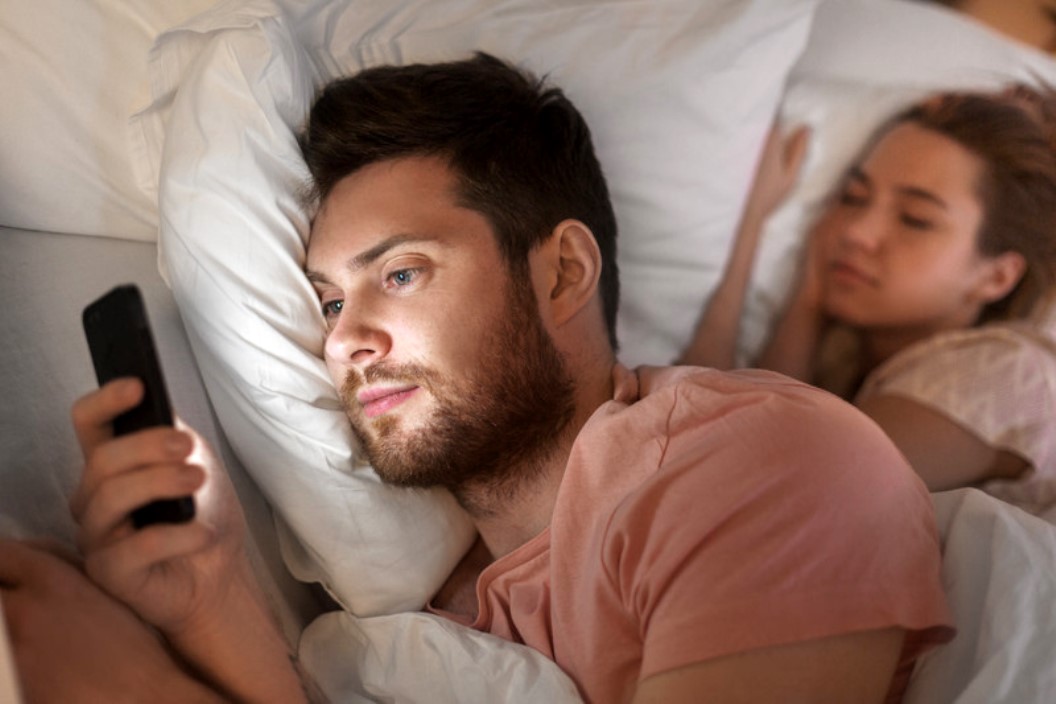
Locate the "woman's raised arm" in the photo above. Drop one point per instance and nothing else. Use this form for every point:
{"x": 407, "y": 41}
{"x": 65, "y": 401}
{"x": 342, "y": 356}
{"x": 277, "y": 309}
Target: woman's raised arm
{"x": 715, "y": 338}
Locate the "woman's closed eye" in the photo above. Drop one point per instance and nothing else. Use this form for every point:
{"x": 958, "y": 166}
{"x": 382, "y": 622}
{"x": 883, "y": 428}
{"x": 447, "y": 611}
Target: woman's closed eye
{"x": 915, "y": 222}
{"x": 853, "y": 198}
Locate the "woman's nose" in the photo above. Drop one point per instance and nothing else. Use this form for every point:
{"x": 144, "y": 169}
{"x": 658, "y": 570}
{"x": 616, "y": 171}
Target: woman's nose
{"x": 864, "y": 228}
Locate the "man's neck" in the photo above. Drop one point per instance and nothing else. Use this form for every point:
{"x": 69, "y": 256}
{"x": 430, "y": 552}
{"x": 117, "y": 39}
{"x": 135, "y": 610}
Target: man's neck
{"x": 510, "y": 513}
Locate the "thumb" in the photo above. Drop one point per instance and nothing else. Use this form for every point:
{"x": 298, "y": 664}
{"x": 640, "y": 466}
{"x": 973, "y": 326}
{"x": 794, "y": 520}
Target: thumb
{"x": 795, "y": 148}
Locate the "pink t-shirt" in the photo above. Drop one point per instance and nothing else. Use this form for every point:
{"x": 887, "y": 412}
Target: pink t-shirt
{"x": 705, "y": 513}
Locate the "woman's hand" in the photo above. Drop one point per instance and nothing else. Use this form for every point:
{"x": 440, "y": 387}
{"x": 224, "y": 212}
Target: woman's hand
{"x": 172, "y": 575}
{"x": 810, "y": 291}
{"x": 793, "y": 346}
{"x": 779, "y": 165}
{"x": 714, "y": 340}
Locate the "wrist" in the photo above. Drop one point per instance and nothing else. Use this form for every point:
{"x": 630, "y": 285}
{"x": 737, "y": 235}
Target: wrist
{"x": 237, "y": 645}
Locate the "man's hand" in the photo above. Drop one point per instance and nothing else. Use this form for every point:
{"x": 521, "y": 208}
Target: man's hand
{"x": 193, "y": 580}
{"x": 74, "y": 643}
{"x": 172, "y": 575}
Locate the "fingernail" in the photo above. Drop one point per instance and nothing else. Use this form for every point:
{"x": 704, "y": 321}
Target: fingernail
{"x": 178, "y": 444}
{"x": 127, "y": 387}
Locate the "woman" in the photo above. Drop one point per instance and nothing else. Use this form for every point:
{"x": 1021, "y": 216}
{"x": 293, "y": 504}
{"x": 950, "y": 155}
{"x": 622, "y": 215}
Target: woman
{"x": 924, "y": 289}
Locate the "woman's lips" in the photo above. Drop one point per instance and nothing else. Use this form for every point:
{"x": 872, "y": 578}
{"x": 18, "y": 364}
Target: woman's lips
{"x": 381, "y": 400}
{"x": 845, "y": 272}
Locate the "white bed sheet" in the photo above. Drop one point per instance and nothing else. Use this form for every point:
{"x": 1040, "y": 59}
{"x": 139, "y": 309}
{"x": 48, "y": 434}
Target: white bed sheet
{"x": 999, "y": 570}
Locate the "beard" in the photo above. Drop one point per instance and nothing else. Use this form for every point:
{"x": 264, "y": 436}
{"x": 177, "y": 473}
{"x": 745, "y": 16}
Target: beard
{"x": 486, "y": 431}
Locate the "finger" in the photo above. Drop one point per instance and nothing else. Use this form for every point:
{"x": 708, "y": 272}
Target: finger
{"x": 127, "y": 454}
{"x": 775, "y": 136}
{"x": 126, "y": 564}
{"x": 202, "y": 452}
{"x": 795, "y": 147}
{"x": 108, "y": 511}
{"x": 94, "y": 413}
{"x": 771, "y": 149}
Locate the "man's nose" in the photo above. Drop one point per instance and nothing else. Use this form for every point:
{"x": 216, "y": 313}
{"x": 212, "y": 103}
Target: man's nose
{"x": 357, "y": 340}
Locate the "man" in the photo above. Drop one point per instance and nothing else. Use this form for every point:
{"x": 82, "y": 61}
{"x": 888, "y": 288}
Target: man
{"x": 659, "y": 533}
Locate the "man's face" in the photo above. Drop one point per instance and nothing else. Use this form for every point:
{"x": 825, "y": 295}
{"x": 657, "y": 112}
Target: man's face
{"x": 440, "y": 357}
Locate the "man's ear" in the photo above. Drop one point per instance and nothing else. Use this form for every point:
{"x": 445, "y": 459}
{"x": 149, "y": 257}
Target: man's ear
{"x": 1000, "y": 276}
{"x": 575, "y": 266}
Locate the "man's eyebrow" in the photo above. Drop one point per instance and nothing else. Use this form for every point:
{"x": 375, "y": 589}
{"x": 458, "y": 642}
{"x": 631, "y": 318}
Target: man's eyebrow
{"x": 366, "y": 258}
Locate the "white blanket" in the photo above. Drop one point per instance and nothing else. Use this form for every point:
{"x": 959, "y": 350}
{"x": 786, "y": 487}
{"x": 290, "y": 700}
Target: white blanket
{"x": 999, "y": 570}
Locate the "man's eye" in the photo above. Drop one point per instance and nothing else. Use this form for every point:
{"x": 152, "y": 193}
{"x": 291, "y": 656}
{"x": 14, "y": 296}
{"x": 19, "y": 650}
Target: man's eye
{"x": 332, "y": 308}
{"x": 403, "y": 277}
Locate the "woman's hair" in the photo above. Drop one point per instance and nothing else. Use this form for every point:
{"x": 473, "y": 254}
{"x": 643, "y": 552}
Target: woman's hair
{"x": 522, "y": 152}
{"x": 1014, "y": 134}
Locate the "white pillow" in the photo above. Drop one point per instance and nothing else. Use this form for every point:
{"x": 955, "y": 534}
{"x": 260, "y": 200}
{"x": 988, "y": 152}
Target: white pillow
{"x": 73, "y": 73}
{"x": 866, "y": 60}
{"x": 419, "y": 658}
{"x": 679, "y": 94}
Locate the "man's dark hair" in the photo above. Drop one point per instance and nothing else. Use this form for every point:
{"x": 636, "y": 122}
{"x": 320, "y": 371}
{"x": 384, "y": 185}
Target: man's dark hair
{"x": 520, "y": 149}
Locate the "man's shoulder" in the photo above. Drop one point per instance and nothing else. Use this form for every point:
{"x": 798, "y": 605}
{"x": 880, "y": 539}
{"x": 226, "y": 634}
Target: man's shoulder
{"x": 708, "y": 432}
{"x": 693, "y": 394}
{"x": 750, "y": 454}
{"x": 665, "y": 413}
{"x": 736, "y": 470}
{"x": 728, "y": 434}
{"x": 653, "y": 379}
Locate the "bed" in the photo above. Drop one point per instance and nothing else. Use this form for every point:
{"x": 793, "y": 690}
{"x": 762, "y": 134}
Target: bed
{"x": 155, "y": 143}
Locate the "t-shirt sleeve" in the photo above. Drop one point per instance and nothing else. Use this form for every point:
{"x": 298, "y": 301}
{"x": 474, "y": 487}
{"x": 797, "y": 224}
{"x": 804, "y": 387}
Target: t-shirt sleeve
{"x": 997, "y": 383}
{"x": 779, "y": 515}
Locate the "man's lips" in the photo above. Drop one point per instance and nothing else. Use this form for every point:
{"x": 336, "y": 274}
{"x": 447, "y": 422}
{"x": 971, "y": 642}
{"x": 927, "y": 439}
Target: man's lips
{"x": 378, "y": 400}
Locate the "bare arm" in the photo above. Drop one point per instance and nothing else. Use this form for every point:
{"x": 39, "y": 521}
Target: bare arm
{"x": 715, "y": 338}
{"x": 856, "y": 667}
{"x": 792, "y": 348}
{"x": 73, "y": 642}
{"x": 943, "y": 453}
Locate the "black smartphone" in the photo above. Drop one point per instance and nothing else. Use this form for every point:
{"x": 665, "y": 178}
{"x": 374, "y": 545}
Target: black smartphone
{"x": 121, "y": 344}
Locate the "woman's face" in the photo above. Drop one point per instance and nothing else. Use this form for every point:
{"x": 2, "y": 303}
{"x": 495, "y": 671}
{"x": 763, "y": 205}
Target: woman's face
{"x": 898, "y": 244}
